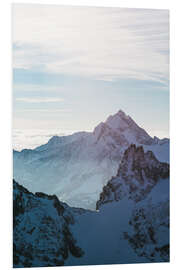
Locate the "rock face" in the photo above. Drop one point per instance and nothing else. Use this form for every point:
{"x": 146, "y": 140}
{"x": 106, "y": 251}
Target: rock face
{"x": 127, "y": 127}
{"x": 137, "y": 174}
{"x": 41, "y": 232}
{"x": 144, "y": 181}
{"x": 123, "y": 130}
{"x": 76, "y": 167}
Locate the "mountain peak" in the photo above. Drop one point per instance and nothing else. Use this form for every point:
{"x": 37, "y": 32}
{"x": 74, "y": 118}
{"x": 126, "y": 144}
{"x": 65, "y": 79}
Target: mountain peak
{"x": 122, "y": 113}
{"x": 123, "y": 126}
{"x": 118, "y": 119}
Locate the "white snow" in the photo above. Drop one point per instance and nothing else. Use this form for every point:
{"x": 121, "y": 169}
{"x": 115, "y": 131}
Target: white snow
{"x": 100, "y": 234}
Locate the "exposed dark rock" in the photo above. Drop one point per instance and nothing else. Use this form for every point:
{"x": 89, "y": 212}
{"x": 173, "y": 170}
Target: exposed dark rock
{"x": 41, "y": 235}
{"x": 146, "y": 223}
{"x": 137, "y": 174}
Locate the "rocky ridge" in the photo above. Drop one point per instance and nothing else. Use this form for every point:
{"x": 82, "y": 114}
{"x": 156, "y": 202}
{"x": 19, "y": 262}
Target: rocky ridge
{"x": 138, "y": 172}
{"x": 144, "y": 181}
{"x": 41, "y": 229}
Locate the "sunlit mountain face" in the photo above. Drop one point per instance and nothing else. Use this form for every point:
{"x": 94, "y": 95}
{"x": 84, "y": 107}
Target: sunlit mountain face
{"x": 76, "y": 167}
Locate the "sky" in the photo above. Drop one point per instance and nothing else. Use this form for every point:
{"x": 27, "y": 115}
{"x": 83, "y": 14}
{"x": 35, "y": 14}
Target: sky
{"x": 75, "y": 66}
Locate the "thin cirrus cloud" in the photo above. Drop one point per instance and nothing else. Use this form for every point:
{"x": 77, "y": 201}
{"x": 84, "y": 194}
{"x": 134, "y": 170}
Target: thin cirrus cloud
{"x": 39, "y": 100}
{"x": 115, "y": 44}
{"x": 44, "y": 110}
{"x": 35, "y": 88}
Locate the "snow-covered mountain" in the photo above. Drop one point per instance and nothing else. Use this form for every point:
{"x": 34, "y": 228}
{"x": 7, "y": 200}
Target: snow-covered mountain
{"x": 76, "y": 167}
{"x": 141, "y": 188}
{"x": 138, "y": 173}
{"x": 130, "y": 226}
{"x": 41, "y": 229}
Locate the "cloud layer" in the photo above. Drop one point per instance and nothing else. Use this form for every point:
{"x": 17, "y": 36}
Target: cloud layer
{"x": 30, "y": 138}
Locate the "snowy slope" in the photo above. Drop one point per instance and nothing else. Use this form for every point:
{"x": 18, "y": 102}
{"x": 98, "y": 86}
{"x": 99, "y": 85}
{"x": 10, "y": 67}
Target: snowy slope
{"x": 150, "y": 224}
{"x": 130, "y": 226}
{"x": 76, "y": 167}
{"x": 101, "y": 236}
{"x": 41, "y": 229}
{"x": 48, "y": 232}
{"x": 127, "y": 230}
{"x": 141, "y": 192}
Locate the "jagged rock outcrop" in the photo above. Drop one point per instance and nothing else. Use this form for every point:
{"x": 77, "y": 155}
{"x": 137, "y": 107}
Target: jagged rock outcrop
{"x": 137, "y": 174}
{"x": 41, "y": 230}
{"x": 143, "y": 181}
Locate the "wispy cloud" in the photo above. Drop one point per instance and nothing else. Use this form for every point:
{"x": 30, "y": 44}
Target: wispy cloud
{"x": 39, "y": 100}
{"x": 44, "y": 110}
{"x": 96, "y": 60}
{"x": 36, "y": 88}
{"x": 110, "y": 44}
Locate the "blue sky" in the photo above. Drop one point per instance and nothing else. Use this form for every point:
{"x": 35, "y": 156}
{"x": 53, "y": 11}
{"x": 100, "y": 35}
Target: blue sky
{"x": 74, "y": 66}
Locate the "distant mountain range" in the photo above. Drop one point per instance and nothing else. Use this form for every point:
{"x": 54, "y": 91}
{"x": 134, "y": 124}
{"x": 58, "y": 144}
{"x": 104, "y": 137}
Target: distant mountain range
{"x": 76, "y": 167}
